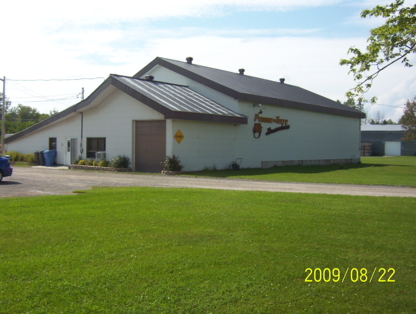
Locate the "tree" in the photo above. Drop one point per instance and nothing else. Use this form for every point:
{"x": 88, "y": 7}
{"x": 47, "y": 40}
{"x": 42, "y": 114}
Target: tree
{"x": 408, "y": 120}
{"x": 21, "y": 117}
{"x": 392, "y": 42}
{"x": 8, "y": 104}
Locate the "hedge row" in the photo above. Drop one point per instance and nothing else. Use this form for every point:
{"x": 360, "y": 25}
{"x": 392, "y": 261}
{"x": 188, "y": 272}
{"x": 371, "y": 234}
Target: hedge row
{"x": 16, "y": 156}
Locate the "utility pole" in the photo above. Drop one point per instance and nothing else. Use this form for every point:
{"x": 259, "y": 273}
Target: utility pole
{"x": 3, "y": 116}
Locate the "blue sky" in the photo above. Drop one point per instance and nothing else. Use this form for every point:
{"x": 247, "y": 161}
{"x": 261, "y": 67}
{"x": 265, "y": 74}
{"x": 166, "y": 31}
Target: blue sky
{"x": 301, "y": 40}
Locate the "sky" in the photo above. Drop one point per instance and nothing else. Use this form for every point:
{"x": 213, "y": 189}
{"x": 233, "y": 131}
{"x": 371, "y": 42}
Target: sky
{"x": 50, "y": 50}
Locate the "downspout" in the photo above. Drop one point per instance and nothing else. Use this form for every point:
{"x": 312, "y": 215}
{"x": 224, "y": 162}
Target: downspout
{"x": 81, "y": 150}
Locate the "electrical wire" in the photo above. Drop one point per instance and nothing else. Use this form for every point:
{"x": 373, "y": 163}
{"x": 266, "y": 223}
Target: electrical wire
{"x": 58, "y": 80}
{"x": 34, "y": 94}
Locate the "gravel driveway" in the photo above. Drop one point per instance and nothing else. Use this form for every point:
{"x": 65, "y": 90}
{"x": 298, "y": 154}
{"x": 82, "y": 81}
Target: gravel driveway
{"x": 53, "y": 181}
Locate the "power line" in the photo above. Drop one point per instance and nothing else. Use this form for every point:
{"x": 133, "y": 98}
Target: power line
{"x": 61, "y": 95}
{"x": 51, "y": 99}
{"x": 401, "y": 106}
{"x": 48, "y": 80}
{"x": 37, "y": 95}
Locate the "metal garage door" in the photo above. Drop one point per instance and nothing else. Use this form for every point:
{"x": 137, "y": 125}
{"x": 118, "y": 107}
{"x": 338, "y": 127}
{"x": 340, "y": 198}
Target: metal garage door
{"x": 392, "y": 148}
{"x": 150, "y": 145}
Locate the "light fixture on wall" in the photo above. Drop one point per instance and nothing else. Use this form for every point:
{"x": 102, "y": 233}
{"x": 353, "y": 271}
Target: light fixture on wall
{"x": 261, "y": 111}
{"x": 256, "y": 105}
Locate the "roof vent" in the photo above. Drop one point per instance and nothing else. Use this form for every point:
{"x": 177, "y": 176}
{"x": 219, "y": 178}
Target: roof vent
{"x": 241, "y": 71}
{"x": 189, "y": 60}
{"x": 282, "y": 81}
{"x": 149, "y": 77}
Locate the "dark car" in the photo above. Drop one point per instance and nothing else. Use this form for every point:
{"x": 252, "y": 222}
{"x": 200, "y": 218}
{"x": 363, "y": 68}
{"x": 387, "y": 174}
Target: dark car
{"x": 5, "y": 169}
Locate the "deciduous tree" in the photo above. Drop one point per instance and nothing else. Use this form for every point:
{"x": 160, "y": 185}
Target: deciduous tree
{"x": 408, "y": 120}
{"x": 392, "y": 42}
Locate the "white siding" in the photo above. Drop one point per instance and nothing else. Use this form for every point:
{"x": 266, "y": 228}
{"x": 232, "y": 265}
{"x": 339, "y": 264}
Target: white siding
{"x": 68, "y": 128}
{"x": 112, "y": 119}
{"x": 312, "y": 136}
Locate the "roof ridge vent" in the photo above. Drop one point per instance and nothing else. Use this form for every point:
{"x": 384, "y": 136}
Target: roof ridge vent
{"x": 241, "y": 71}
{"x": 282, "y": 81}
{"x": 189, "y": 60}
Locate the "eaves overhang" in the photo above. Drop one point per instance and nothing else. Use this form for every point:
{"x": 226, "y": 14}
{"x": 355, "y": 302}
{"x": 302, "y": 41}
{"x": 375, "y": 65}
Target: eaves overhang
{"x": 110, "y": 85}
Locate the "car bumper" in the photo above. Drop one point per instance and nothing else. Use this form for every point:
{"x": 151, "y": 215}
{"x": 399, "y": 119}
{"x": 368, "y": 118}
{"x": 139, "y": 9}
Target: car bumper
{"x": 7, "y": 172}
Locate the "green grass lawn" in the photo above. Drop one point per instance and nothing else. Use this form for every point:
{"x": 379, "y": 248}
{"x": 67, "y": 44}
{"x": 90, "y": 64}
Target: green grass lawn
{"x": 155, "y": 250}
{"x": 372, "y": 170}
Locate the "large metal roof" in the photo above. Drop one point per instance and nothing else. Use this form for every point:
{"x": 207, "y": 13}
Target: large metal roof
{"x": 249, "y": 88}
{"x": 176, "y": 97}
{"x": 382, "y": 127}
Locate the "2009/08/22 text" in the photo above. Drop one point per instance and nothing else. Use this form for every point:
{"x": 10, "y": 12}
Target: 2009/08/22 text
{"x": 382, "y": 275}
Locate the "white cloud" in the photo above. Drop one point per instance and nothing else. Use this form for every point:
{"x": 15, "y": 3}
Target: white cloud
{"x": 46, "y": 40}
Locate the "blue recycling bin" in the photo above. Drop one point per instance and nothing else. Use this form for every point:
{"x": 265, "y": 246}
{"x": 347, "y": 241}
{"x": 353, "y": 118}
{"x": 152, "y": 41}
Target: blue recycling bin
{"x": 49, "y": 157}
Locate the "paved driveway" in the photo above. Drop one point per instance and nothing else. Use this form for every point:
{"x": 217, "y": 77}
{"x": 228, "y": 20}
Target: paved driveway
{"x": 52, "y": 181}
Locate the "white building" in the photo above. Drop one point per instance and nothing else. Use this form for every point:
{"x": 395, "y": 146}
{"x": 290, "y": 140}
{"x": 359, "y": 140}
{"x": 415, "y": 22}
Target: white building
{"x": 207, "y": 117}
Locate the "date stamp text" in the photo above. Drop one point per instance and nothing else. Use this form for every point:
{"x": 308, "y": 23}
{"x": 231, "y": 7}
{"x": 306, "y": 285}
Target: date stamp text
{"x": 383, "y": 275}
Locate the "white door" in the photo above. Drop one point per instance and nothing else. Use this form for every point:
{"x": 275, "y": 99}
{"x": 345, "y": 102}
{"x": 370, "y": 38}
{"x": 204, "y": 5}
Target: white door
{"x": 70, "y": 151}
{"x": 392, "y": 148}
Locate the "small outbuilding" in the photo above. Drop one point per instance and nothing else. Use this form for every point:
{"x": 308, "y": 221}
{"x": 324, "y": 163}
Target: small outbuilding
{"x": 387, "y": 140}
{"x": 205, "y": 116}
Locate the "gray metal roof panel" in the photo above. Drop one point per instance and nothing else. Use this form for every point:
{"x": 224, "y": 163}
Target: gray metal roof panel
{"x": 382, "y": 127}
{"x": 176, "y": 97}
{"x": 245, "y": 87}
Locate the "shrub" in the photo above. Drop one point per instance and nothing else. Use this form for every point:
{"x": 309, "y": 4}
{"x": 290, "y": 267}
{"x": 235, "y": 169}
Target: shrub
{"x": 95, "y": 163}
{"x": 120, "y": 162}
{"x": 30, "y": 158}
{"x": 14, "y": 156}
{"x": 82, "y": 162}
{"x": 103, "y": 163}
{"x": 90, "y": 162}
{"x": 172, "y": 164}
{"x": 76, "y": 161}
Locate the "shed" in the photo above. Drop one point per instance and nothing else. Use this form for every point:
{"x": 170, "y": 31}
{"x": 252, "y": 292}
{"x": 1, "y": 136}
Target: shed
{"x": 387, "y": 140}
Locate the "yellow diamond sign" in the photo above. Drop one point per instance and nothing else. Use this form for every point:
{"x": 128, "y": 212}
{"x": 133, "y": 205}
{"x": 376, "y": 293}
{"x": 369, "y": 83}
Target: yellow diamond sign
{"x": 178, "y": 136}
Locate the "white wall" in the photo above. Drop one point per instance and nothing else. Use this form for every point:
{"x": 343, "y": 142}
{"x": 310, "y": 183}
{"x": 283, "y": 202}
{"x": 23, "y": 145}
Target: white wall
{"x": 312, "y": 136}
{"x": 39, "y": 140}
{"x": 112, "y": 119}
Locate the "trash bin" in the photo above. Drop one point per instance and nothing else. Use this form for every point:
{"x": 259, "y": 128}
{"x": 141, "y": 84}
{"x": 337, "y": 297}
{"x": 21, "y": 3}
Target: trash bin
{"x": 41, "y": 158}
{"x": 37, "y": 158}
{"x": 49, "y": 157}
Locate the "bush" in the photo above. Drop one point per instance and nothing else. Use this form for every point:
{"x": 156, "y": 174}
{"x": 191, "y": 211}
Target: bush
{"x": 76, "y": 161}
{"x": 95, "y": 163}
{"x": 120, "y": 162}
{"x": 14, "y": 156}
{"x": 103, "y": 163}
{"x": 90, "y": 162}
{"x": 30, "y": 158}
{"x": 82, "y": 162}
{"x": 172, "y": 164}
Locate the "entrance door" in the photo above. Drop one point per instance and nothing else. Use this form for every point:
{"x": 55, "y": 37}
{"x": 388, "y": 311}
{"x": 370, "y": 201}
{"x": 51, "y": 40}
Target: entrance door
{"x": 150, "y": 145}
{"x": 70, "y": 151}
{"x": 392, "y": 148}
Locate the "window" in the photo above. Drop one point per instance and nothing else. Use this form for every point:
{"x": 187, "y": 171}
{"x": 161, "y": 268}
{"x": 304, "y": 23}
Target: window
{"x": 52, "y": 143}
{"x": 95, "y": 144}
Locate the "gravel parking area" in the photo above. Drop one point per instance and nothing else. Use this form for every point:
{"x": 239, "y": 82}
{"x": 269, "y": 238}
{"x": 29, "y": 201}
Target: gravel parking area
{"x": 59, "y": 181}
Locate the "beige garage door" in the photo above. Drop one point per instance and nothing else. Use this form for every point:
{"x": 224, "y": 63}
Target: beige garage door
{"x": 150, "y": 149}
